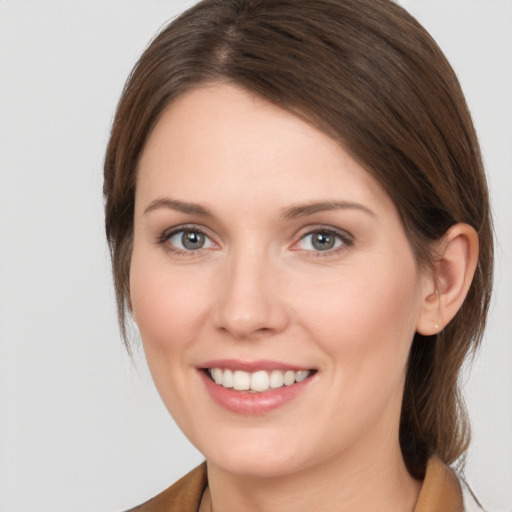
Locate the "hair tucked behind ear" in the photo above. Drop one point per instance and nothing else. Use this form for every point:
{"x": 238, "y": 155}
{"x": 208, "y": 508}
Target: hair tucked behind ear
{"x": 367, "y": 74}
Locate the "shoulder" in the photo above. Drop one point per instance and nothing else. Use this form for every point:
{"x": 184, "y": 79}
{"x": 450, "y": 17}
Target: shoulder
{"x": 444, "y": 491}
{"x": 183, "y": 496}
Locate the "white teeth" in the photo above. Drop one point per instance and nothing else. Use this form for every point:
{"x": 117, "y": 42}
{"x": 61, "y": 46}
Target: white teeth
{"x": 217, "y": 375}
{"x": 241, "y": 381}
{"x": 258, "y": 381}
{"x": 301, "y": 375}
{"x": 289, "y": 378}
{"x": 276, "y": 379}
{"x": 227, "y": 378}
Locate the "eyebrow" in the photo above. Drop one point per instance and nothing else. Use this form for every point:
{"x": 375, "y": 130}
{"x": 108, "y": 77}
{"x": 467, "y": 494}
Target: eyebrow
{"x": 181, "y": 206}
{"x": 290, "y": 212}
{"x": 303, "y": 210}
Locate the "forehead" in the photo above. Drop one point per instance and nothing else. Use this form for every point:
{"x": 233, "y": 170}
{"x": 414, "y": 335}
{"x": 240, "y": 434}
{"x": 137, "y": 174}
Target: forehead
{"x": 221, "y": 140}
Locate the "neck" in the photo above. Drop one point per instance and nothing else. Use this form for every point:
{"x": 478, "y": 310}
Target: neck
{"x": 373, "y": 484}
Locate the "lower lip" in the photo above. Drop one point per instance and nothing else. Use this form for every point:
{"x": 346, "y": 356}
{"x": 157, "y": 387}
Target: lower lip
{"x": 250, "y": 404}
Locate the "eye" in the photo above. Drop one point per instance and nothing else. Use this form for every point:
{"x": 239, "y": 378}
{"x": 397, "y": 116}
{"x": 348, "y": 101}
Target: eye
{"x": 322, "y": 240}
{"x": 187, "y": 240}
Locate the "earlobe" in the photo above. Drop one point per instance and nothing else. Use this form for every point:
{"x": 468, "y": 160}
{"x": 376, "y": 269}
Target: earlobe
{"x": 455, "y": 260}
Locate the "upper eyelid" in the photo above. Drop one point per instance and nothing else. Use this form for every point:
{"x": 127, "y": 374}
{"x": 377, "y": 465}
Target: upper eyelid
{"x": 164, "y": 237}
{"x": 347, "y": 239}
{"x": 167, "y": 233}
{"x": 164, "y": 240}
{"x": 345, "y": 235}
{"x": 342, "y": 233}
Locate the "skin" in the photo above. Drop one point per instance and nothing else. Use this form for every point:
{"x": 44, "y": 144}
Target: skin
{"x": 259, "y": 290}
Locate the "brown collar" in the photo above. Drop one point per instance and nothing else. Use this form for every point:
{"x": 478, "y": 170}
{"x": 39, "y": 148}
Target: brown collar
{"x": 440, "y": 492}
{"x": 183, "y": 496}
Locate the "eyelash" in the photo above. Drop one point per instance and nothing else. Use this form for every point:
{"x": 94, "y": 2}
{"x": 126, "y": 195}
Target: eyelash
{"x": 345, "y": 238}
{"x": 164, "y": 238}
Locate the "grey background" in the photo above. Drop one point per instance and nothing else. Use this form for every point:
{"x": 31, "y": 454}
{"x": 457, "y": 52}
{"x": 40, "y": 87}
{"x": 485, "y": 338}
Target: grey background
{"x": 82, "y": 428}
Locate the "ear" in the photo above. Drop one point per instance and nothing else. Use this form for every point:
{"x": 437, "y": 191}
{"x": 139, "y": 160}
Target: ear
{"x": 455, "y": 259}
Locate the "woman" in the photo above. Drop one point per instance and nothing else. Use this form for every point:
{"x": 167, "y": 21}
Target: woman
{"x": 299, "y": 226}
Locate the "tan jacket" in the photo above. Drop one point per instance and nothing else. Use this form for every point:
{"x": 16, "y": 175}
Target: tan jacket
{"x": 441, "y": 492}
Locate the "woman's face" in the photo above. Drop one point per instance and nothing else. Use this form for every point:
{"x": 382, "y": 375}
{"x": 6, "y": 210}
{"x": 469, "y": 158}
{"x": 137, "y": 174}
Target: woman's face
{"x": 265, "y": 255}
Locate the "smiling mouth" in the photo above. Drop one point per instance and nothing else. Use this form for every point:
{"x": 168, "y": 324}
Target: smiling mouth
{"x": 258, "y": 381}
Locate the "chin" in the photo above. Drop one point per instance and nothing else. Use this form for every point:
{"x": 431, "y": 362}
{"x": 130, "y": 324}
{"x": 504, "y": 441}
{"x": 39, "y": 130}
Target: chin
{"x": 260, "y": 467}
{"x": 261, "y": 458}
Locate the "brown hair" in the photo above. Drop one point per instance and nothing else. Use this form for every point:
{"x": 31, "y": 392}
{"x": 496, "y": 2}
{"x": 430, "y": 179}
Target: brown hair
{"x": 367, "y": 74}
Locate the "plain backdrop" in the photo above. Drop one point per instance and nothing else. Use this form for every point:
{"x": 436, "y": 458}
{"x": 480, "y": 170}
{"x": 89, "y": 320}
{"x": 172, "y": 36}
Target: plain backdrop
{"x": 82, "y": 428}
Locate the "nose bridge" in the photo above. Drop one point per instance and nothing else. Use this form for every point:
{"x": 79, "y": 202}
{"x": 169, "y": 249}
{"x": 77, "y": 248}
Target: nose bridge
{"x": 250, "y": 303}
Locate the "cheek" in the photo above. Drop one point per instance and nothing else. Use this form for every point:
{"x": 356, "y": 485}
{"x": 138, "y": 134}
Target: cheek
{"x": 168, "y": 311}
{"x": 366, "y": 320}
{"x": 167, "y": 307}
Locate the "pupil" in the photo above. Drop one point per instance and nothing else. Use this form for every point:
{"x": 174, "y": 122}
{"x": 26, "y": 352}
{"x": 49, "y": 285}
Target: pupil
{"x": 323, "y": 241}
{"x": 192, "y": 240}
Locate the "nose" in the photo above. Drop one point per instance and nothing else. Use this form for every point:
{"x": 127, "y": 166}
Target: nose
{"x": 251, "y": 303}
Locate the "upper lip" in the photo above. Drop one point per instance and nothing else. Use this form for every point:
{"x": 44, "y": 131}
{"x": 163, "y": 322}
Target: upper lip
{"x": 252, "y": 366}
